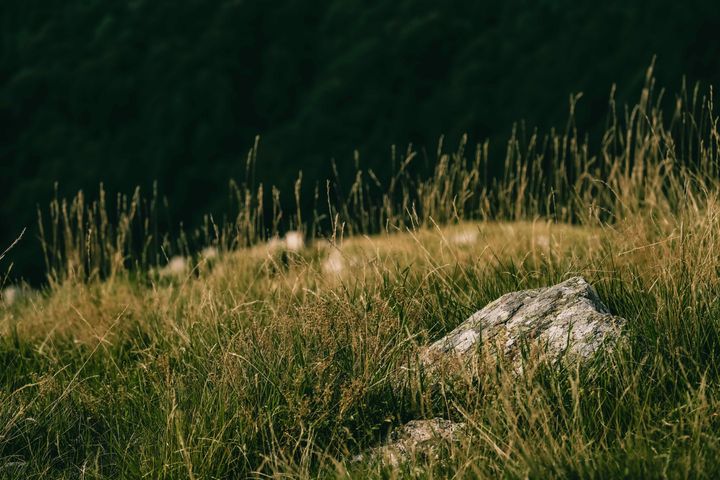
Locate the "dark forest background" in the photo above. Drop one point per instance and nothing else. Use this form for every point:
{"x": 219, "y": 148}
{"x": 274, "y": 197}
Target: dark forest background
{"x": 132, "y": 92}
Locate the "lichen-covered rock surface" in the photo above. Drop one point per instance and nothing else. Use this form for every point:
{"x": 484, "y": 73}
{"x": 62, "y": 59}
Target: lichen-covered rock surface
{"x": 566, "y": 319}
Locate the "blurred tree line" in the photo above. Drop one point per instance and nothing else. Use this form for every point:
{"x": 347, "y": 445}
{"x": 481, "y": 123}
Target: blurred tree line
{"x": 132, "y": 91}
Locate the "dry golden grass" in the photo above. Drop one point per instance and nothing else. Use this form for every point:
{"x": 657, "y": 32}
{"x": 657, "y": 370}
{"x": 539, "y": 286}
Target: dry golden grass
{"x": 263, "y": 362}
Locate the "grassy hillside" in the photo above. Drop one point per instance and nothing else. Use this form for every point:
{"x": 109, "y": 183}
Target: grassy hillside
{"x": 259, "y": 360}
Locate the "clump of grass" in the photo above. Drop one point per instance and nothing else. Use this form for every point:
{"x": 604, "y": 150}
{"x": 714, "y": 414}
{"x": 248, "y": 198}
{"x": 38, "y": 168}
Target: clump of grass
{"x": 254, "y": 364}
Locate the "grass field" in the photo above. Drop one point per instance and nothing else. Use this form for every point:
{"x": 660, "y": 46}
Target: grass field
{"x": 262, "y": 361}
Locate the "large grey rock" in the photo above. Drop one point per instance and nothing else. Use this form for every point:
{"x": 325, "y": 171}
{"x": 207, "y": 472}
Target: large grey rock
{"x": 566, "y": 319}
{"x": 417, "y": 437}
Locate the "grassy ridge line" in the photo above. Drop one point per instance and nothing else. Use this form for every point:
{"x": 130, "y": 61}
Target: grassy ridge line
{"x": 264, "y": 271}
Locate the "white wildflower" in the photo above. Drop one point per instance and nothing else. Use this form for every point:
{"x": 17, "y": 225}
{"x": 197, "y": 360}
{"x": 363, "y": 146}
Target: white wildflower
{"x": 294, "y": 241}
{"x": 176, "y": 267}
{"x": 334, "y": 263}
{"x": 10, "y": 295}
{"x": 465, "y": 237}
{"x": 209, "y": 253}
{"x": 542, "y": 241}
